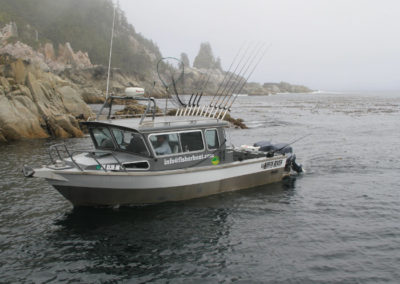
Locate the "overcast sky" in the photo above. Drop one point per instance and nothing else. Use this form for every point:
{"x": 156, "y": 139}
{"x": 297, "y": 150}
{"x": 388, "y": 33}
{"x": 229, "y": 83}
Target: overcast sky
{"x": 323, "y": 44}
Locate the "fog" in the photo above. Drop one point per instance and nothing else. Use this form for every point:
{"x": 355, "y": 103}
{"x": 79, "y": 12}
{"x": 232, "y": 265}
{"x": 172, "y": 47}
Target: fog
{"x": 323, "y": 44}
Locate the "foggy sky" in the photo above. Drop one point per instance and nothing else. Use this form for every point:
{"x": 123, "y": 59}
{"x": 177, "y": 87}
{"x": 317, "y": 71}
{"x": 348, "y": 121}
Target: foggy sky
{"x": 323, "y": 44}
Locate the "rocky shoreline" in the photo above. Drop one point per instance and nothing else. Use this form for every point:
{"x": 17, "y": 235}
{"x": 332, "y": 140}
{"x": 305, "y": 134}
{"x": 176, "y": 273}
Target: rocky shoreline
{"x": 37, "y": 103}
{"x": 45, "y": 92}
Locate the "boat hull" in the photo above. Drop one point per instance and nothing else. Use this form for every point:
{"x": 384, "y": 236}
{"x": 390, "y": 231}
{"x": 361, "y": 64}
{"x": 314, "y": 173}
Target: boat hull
{"x": 112, "y": 188}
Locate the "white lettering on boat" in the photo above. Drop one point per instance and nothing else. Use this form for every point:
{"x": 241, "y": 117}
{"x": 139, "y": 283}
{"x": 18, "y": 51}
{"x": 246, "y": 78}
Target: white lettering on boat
{"x": 272, "y": 164}
{"x": 184, "y": 159}
{"x": 113, "y": 167}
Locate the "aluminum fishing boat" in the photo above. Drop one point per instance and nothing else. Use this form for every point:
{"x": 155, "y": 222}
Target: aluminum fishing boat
{"x": 153, "y": 159}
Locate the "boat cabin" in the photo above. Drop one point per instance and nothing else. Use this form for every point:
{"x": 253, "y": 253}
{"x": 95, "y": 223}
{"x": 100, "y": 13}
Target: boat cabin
{"x": 168, "y": 144}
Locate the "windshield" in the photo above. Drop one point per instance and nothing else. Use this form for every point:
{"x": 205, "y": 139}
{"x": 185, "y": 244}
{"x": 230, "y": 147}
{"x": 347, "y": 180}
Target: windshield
{"x": 103, "y": 138}
{"x": 130, "y": 141}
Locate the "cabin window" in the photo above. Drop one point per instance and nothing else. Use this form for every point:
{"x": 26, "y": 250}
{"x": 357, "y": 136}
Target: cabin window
{"x": 174, "y": 143}
{"x": 130, "y": 141}
{"x": 191, "y": 141}
{"x": 165, "y": 144}
{"x": 103, "y": 138}
{"x": 140, "y": 165}
{"x": 211, "y": 136}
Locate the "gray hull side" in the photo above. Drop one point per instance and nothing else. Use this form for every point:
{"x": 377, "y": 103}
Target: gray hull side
{"x": 86, "y": 196}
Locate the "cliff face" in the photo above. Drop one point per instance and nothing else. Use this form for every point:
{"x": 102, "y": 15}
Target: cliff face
{"x": 86, "y": 25}
{"x": 37, "y": 104}
{"x": 45, "y": 84}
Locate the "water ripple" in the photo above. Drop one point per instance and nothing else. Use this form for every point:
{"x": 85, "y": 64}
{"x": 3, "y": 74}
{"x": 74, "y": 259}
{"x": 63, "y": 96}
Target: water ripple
{"x": 338, "y": 223}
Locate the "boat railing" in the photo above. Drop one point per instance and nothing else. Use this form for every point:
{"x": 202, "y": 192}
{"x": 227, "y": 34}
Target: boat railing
{"x": 187, "y": 121}
{"x": 62, "y": 152}
{"x": 150, "y": 101}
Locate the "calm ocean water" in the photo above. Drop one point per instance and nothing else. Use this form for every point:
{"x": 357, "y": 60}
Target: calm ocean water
{"x": 337, "y": 223}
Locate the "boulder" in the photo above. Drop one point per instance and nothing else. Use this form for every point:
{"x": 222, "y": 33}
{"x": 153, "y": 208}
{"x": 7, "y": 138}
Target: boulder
{"x": 63, "y": 126}
{"x": 19, "y": 71}
{"x": 5, "y": 84}
{"x": 2, "y": 138}
{"x": 48, "y": 52}
{"x": 92, "y": 96}
{"x": 67, "y": 56}
{"x": 36, "y": 104}
{"x": 19, "y": 119}
{"x": 25, "y": 52}
{"x": 73, "y": 102}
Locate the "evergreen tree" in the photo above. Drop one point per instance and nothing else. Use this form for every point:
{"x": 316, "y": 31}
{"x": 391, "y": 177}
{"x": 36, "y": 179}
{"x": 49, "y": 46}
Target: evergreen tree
{"x": 86, "y": 24}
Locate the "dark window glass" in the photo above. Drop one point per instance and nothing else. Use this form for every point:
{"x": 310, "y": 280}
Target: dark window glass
{"x": 130, "y": 141}
{"x": 102, "y": 137}
{"x": 192, "y": 141}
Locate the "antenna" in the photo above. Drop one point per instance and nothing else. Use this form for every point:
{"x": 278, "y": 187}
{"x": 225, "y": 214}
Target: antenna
{"x": 109, "y": 65}
{"x": 109, "y": 58}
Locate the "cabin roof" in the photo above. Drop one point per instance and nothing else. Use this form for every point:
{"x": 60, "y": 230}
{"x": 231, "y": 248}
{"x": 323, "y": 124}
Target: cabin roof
{"x": 167, "y": 123}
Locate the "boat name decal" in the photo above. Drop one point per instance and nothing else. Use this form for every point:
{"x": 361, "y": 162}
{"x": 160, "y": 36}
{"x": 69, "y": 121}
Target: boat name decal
{"x": 109, "y": 167}
{"x": 272, "y": 164}
{"x": 177, "y": 160}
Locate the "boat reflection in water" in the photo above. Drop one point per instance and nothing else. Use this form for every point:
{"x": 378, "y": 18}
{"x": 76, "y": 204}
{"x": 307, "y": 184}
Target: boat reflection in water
{"x": 143, "y": 241}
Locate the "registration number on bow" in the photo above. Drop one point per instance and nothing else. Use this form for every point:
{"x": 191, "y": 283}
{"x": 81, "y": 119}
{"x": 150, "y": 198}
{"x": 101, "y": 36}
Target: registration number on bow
{"x": 272, "y": 164}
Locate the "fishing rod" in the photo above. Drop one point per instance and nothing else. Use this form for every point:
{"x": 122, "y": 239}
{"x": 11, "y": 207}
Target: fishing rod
{"x": 226, "y": 107}
{"x": 238, "y": 79}
{"x": 188, "y": 105}
{"x": 177, "y": 96}
{"x": 198, "y": 105}
{"x": 183, "y": 111}
{"x": 239, "y": 76}
{"x": 271, "y": 153}
{"x": 193, "y": 105}
{"x": 232, "y": 75}
{"x": 196, "y": 110}
{"x": 233, "y": 87}
{"x": 182, "y": 104}
{"x": 226, "y": 74}
{"x": 204, "y": 81}
{"x": 176, "y": 99}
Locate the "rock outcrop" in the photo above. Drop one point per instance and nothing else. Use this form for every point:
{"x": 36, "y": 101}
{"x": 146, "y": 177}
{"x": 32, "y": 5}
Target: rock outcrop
{"x": 8, "y": 31}
{"x": 92, "y": 83}
{"x": 37, "y": 104}
{"x": 45, "y": 56}
{"x": 274, "y": 88}
{"x": 44, "y": 89}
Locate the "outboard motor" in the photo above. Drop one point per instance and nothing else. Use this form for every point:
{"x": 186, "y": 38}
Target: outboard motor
{"x": 267, "y": 146}
{"x": 281, "y": 148}
{"x": 291, "y": 164}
